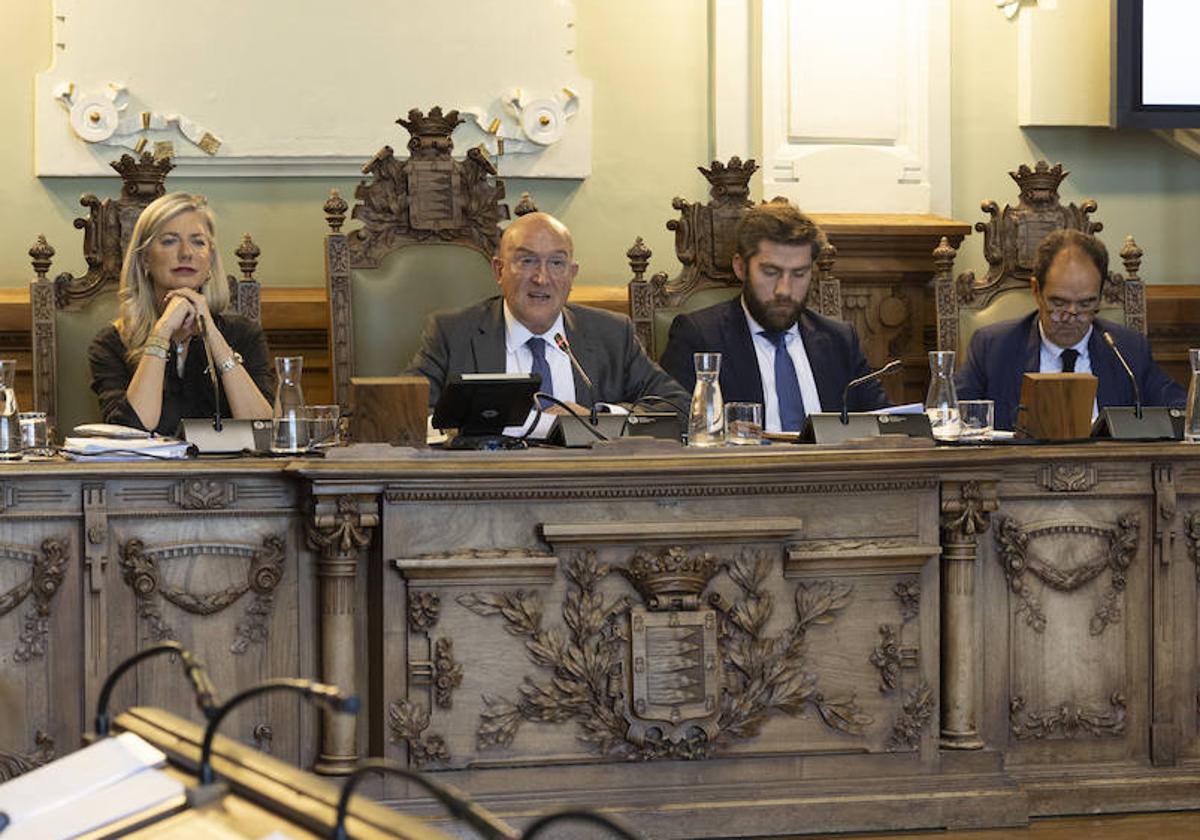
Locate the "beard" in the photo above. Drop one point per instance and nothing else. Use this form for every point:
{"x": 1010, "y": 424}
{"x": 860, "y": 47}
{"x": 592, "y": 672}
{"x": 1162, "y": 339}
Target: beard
{"x": 776, "y": 314}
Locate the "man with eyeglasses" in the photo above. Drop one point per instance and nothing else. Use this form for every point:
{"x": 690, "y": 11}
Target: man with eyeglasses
{"x": 519, "y": 331}
{"x": 1063, "y": 335}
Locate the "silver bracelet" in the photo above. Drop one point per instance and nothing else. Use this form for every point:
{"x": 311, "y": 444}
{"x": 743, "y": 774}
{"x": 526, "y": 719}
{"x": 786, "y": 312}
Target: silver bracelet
{"x": 155, "y": 351}
{"x": 229, "y": 364}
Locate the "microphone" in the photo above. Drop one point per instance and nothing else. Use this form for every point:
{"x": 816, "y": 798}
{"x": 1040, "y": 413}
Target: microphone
{"x": 329, "y": 696}
{"x": 212, "y": 372}
{"x": 893, "y": 365}
{"x": 1137, "y": 392}
{"x": 202, "y": 687}
{"x": 561, "y": 342}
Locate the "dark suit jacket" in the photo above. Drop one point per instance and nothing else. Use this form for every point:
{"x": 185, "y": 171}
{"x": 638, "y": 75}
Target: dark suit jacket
{"x": 832, "y": 348}
{"x": 471, "y": 340}
{"x": 1001, "y": 354}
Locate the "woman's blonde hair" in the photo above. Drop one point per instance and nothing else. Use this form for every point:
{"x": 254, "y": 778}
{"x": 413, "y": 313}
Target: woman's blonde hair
{"x": 139, "y": 309}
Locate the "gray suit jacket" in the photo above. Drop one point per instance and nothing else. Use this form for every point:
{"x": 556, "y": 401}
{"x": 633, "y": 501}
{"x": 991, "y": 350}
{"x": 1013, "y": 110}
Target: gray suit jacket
{"x": 471, "y": 340}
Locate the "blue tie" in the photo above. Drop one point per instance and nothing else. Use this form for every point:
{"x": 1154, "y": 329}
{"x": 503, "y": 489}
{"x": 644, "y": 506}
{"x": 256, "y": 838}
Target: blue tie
{"x": 787, "y": 385}
{"x": 537, "y": 346}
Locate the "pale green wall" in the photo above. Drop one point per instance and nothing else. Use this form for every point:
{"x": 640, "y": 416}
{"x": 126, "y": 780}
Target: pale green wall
{"x": 648, "y": 63}
{"x": 1144, "y": 186}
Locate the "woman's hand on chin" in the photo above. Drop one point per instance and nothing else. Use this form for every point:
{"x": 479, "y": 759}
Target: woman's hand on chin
{"x": 191, "y": 311}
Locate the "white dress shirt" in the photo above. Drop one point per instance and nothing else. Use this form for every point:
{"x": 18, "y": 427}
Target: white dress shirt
{"x": 764, "y": 349}
{"x": 519, "y": 359}
{"x": 1050, "y": 358}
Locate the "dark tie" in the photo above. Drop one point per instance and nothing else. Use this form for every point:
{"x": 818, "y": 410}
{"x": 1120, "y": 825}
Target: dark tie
{"x": 787, "y": 385}
{"x": 1068, "y": 359}
{"x": 537, "y": 346}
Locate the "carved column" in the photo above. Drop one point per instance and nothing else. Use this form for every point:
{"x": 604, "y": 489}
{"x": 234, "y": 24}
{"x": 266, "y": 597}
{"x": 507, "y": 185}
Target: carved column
{"x": 340, "y": 529}
{"x": 95, "y": 559}
{"x": 965, "y": 509}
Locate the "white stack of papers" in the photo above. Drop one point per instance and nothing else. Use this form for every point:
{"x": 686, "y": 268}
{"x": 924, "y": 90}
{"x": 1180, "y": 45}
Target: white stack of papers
{"x": 124, "y": 449}
{"x": 98, "y": 785}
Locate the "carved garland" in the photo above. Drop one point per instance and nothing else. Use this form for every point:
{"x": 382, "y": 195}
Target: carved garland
{"x": 447, "y": 673}
{"x": 1013, "y": 543}
{"x": 676, "y": 650}
{"x": 1192, "y": 524}
{"x": 13, "y": 764}
{"x": 1067, "y": 720}
{"x": 408, "y": 723}
{"x": 918, "y": 711}
{"x": 423, "y": 610}
{"x": 45, "y": 577}
{"x": 140, "y": 571}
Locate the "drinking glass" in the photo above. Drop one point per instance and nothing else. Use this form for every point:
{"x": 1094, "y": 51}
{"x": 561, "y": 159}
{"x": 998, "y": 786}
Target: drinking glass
{"x": 743, "y": 423}
{"x": 323, "y": 429}
{"x": 975, "y": 419}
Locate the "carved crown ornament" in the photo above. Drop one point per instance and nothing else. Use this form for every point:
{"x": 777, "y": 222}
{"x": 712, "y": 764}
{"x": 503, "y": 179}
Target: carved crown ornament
{"x": 429, "y": 197}
{"x": 672, "y": 672}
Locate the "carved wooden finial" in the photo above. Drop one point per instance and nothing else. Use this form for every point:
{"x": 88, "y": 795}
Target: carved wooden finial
{"x": 1039, "y": 186}
{"x": 1131, "y": 255}
{"x": 730, "y": 180}
{"x": 825, "y": 258}
{"x": 144, "y": 177}
{"x": 525, "y": 205}
{"x": 943, "y": 258}
{"x": 42, "y": 253}
{"x": 639, "y": 258}
{"x": 335, "y": 211}
{"x": 247, "y": 254}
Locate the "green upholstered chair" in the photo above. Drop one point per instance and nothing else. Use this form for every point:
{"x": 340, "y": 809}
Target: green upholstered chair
{"x": 68, "y": 311}
{"x": 704, "y": 245}
{"x": 429, "y": 229}
{"x": 1010, "y": 240}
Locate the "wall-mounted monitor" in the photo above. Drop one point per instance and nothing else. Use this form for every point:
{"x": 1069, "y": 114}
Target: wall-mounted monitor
{"x": 1157, "y": 74}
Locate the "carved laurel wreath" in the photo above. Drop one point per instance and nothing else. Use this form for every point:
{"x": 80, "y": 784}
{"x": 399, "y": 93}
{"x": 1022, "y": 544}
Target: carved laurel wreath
{"x": 141, "y": 572}
{"x": 1013, "y": 542}
{"x": 47, "y": 570}
{"x": 763, "y": 674}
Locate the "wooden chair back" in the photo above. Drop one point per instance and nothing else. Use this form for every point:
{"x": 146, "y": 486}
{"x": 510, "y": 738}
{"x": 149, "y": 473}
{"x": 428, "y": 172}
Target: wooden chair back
{"x": 1010, "y": 240}
{"x": 704, "y": 246}
{"x": 68, "y": 311}
{"x": 381, "y": 285}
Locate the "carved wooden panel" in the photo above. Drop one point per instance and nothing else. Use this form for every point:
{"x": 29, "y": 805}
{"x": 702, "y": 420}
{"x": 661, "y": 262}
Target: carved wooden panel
{"x": 218, "y": 565}
{"x": 691, "y": 624}
{"x": 1068, "y": 676}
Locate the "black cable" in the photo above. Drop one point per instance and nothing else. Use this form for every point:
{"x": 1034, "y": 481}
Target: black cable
{"x": 537, "y": 399}
{"x": 457, "y": 803}
{"x": 583, "y": 815}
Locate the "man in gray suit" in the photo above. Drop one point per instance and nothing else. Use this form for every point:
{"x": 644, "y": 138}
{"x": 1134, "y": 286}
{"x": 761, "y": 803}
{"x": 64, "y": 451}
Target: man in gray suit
{"x": 518, "y": 331}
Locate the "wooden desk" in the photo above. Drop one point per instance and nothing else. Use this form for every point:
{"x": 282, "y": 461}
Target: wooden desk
{"x": 709, "y": 644}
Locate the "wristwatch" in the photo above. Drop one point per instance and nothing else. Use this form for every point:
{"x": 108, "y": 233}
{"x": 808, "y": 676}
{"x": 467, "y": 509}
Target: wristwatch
{"x": 229, "y": 364}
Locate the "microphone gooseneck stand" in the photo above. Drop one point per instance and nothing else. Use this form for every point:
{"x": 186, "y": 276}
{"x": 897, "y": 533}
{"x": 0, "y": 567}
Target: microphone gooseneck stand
{"x": 321, "y": 693}
{"x": 202, "y": 687}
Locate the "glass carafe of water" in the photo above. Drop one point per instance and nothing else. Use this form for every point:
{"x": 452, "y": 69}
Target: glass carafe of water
{"x": 706, "y": 419}
{"x": 10, "y": 422}
{"x": 289, "y": 426}
{"x": 1191, "y": 425}
{"x": 941, "y": 402}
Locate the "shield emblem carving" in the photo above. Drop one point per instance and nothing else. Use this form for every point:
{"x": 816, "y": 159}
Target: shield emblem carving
{"x": 675, "y": 670}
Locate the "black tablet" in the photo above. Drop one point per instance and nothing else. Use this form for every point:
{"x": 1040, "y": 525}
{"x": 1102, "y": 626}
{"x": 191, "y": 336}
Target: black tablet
{"x": 484, "y": 403}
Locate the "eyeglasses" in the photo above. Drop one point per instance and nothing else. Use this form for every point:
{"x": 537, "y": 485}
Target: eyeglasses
{"x": 1074, "y": 310}
{"x": 528, "y": 265}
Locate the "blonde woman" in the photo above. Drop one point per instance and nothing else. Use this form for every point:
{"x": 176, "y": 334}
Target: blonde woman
{"x": 149, "y": 367}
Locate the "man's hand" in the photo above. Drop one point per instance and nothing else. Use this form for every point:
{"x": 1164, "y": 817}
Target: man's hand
{"x": 555, "y": 408}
